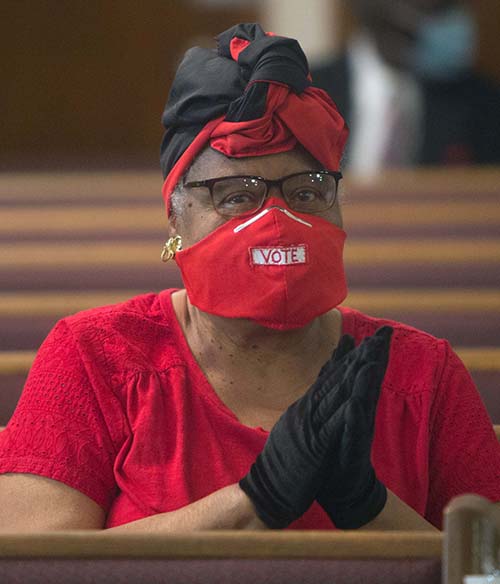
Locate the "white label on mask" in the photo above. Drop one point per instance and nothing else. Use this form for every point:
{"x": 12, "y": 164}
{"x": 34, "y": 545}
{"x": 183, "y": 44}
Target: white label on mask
{"x": 278, "y": 256}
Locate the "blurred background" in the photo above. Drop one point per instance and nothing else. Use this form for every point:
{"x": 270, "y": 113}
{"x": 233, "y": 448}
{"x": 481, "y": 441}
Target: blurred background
{"x": 84, "y": 83}
{"x": 83, "y": 86}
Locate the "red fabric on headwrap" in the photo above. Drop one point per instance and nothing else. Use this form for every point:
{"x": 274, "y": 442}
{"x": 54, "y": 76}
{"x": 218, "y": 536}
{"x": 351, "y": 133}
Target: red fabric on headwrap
{"x": 294, "y": 112}
{"x": 237, "y": 45}
{"x": 266, "y": 135}
{"x": 186, "y": 159}
{"x": 310, "y": 118}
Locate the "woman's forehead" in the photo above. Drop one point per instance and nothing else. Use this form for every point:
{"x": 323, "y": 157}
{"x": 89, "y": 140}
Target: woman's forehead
{"x": 210, "y": 164}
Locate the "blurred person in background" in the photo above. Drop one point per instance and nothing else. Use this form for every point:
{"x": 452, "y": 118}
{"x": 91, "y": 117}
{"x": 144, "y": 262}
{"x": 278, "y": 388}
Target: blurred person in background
{"x": 406, "y": 85}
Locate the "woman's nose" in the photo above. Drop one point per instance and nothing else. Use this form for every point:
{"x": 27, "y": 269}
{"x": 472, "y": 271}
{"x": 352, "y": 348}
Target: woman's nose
{"x": 275, "y": 191}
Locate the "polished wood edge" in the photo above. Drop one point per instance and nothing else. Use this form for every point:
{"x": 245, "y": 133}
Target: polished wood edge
{"x": 72, "y": 185}
{"x": 391, "y": 301}
{"x": 145, "y": 253}
{"x": 431, "y": 179}
{"x": 474, "y": 358}
{"x": 225, "y": 544}
{"x": 16, "y": 362}
{"x": 471, "y": 502}
{"x": 480, "y": 358}
{"x": 137, "y": 217}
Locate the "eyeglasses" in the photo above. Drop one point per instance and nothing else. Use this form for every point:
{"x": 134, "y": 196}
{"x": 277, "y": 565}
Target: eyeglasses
{"x": 312, "y": 191}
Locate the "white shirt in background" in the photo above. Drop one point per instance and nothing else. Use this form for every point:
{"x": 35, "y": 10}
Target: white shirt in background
{"x": 386, "y": 115}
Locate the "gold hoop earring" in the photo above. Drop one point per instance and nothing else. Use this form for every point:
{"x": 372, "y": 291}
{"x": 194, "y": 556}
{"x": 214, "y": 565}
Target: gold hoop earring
{"x": 171, "y": 247}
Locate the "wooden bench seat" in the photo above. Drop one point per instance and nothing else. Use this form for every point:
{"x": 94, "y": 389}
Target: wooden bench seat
{"x": 438, "y": 226}
{"x": 222, "y": 557}
{"x": 466, "y": 317}
{"x": 26, "y": 332}
{"x": 377, "y": 262}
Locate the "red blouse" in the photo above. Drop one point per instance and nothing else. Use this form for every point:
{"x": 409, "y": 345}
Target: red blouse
{"x": 116, "y": 407}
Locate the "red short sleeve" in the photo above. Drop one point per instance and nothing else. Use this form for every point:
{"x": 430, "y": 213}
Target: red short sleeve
{"x": 464, "y": 453}
{"x": 58, "y": 430}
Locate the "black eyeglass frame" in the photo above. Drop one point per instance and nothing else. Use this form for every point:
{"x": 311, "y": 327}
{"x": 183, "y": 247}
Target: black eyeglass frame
{"x": 210, "y": 182}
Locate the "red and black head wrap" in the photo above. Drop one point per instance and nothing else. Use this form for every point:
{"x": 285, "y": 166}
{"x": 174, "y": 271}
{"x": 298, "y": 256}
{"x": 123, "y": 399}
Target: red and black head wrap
{"x": 249, "y": 97}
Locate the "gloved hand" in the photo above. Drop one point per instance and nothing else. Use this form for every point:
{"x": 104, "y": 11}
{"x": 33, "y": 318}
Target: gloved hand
{"x": 285, "y": 478}
{"x": 351, "y": 494}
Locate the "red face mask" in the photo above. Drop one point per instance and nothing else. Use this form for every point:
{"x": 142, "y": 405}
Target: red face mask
{"x": 277, "y": 267}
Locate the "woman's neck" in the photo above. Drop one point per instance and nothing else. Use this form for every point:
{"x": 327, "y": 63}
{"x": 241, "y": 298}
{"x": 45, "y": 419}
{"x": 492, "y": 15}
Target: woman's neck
{"x": 211, "y": 334}
{"x": 257, "y": 372}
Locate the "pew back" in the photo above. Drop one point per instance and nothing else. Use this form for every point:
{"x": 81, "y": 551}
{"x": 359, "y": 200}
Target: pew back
{"x": 222, "y": 557}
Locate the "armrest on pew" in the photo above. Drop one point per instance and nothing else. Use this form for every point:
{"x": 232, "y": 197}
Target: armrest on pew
{"x": 305, "y": 557}
{"x": 471, "y": 550}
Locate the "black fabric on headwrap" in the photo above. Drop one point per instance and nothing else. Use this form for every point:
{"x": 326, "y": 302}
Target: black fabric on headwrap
{"x": 209, "y": 84}
{"x": 202, "y": 90}
{"x": 268, "y": 57}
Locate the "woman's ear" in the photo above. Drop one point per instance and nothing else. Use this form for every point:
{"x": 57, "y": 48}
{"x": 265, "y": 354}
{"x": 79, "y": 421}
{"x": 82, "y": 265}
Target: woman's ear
{"x": 172, "y": 226}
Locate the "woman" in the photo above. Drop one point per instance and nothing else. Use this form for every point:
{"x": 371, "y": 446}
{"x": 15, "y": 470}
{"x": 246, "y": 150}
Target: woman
{"x": 203, "y": 408}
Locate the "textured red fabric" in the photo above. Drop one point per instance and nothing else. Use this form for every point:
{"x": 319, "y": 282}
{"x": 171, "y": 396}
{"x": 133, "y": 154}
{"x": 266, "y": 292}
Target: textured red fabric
{"x": 292, "y": 251}
{"x": 116, "y": 406}
{"x": 237, "y": 45}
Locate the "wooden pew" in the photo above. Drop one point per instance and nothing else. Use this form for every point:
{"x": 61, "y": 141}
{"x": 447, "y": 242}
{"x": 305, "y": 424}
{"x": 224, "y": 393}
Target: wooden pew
{"x": 121, "y": 263}
{"x": 472, "y": 530}
{"x": 464, "y": 316}
{"x": 222, "y": 557}
{"x": 471, "y": 551}
{"x": 405, "y": 228}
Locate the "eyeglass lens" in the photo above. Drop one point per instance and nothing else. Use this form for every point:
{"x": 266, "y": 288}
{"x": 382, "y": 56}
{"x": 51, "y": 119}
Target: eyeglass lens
{"x": 306, "y": 193}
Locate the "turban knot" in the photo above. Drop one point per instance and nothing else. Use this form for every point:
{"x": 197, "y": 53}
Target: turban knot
{"x": 250, "y": 96}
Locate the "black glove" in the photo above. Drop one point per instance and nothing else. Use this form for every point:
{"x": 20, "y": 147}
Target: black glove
{"x": 285, "y": 478}
{"x": 351, "y": 494}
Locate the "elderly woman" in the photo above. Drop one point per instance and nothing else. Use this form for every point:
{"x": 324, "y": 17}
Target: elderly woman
{"x": 203, "y": 408}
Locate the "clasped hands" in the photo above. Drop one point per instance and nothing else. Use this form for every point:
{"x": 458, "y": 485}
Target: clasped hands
{"x": 320, "y": 448}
